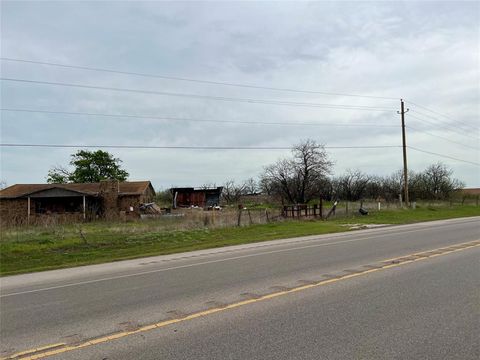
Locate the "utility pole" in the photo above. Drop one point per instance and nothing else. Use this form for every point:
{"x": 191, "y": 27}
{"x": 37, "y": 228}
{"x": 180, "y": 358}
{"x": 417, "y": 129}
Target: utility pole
{"x": 404, "y": 146}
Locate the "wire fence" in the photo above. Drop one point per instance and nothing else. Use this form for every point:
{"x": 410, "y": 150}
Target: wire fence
{"x": 61, "y": 226}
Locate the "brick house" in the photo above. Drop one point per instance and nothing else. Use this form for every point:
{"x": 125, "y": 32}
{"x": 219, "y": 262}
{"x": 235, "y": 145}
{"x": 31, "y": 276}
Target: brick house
{"x": 109, "y": 199}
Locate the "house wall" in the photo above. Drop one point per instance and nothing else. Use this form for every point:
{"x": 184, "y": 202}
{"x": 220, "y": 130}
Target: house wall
{"x": 115, "y": 204}
{"x": 109, "y": 195}
{"x": 13, "y": 211}
{"x": 148, "y": 196}
{"x": 125, "y": 201}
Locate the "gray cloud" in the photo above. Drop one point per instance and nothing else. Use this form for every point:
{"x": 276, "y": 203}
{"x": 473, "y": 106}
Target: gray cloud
{"x": 426, "y": 52}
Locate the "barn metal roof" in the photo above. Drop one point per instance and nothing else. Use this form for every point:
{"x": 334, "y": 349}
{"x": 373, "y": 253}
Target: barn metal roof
{"x": 88, "y": 189}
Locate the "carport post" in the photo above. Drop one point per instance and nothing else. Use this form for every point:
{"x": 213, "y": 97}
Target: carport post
{"x": 84, "y": 216}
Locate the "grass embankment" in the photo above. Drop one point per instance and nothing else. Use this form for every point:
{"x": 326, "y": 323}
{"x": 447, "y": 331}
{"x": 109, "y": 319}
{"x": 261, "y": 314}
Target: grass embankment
{"x": 36, "y": 249}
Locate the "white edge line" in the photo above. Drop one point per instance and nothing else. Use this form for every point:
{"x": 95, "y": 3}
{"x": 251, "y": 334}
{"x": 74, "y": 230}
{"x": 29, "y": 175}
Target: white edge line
{"x": 203, "y": 263}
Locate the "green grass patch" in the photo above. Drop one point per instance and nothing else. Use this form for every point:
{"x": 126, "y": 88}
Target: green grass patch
{"x": 36, "y": 249}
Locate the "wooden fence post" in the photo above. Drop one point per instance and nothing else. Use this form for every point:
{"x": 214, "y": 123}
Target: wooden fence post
{"x": 332, "y": 210}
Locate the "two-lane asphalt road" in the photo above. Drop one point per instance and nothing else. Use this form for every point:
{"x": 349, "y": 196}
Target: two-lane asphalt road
{"x": 368, "y": 308}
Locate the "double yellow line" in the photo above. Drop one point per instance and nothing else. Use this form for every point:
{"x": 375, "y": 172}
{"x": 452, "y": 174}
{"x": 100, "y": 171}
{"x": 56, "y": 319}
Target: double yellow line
{"x": 59, "y": 348}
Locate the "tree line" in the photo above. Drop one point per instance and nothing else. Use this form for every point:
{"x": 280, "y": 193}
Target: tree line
{"x": 307, "y": 176}
{"x": 304, "y": 176}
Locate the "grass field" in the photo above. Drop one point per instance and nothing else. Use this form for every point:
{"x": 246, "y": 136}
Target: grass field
{"x": 36, "y": 248}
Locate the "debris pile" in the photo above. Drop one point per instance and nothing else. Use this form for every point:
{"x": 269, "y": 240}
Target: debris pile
{"x": 150, "y": 208}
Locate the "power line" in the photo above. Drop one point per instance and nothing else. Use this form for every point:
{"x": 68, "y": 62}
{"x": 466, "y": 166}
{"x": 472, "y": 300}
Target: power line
{"x": 443, "y": 138}
{"x": 440, "y": 114}
{"x": 444, "y": 156}
{"x": 194, "y": 80}
{"x": 442, "y": 123}
{"x": 169, "y": 118}
{"x": 437, "y": 121}
{"x": 196, "y": 96}
{"x": 446, "y": 123}
{"x": 449, "y": 128}
{"x": 186, "y": 147}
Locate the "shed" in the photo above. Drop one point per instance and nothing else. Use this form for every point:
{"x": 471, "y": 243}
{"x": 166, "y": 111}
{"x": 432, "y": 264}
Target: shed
{"x": 201, "y": 197}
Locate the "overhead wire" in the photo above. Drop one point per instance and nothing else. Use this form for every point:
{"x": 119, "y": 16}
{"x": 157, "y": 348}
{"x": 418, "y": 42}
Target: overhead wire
{"x": 197, "y": 96}
{"x": 179, "y": 147}
{"x": 210, "y": 82}
{"x": 443, "y": 155}
{"x": 221, "y": 98}
{"x": 170, "y": 118}
{"x": 441, "y": 123}
{"x": 443, "y": 115}
{"x": 441, "y": 137}
{"x": 448, "y": 128}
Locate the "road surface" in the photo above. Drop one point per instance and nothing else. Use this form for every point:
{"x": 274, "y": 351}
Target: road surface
{"x": 359, "y": 295}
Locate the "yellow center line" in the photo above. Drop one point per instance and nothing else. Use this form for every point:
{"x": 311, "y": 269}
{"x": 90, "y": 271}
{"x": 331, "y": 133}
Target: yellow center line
{"x": 55, "y": 349}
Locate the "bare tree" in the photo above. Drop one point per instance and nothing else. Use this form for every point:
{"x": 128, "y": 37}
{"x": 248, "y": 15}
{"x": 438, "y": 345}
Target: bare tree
{"x": 232, "y": 192}
{"x": 438, "y": 181}
{"x": 301, "y": 178}
{"x": 374, "y": 187}
{"x": 353, "y": 185}
{"x": 392, "y": 185}
{"x": 250, "y": 187}
{"x": 435, "y": 182}
{"x": 207, "y": 186}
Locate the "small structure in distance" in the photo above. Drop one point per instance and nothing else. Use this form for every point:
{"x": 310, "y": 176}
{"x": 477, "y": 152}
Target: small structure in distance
{"x": 196, "y": 197}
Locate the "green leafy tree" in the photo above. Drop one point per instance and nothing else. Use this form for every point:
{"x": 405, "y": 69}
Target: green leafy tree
{"x": 88, "y": 166}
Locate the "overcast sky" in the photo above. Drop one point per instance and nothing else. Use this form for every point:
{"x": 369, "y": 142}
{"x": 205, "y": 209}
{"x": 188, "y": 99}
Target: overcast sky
{"x": 425, "y": 52}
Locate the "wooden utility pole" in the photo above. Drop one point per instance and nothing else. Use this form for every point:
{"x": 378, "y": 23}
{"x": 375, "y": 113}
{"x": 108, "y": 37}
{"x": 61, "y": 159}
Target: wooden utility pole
{"x": 404, "y": 146}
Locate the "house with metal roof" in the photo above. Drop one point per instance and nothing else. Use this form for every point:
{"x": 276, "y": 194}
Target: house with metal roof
{"x": 109, "y": 199}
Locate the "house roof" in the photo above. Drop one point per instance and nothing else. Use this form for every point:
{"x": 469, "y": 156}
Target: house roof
{"x": 89, "y": 189}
